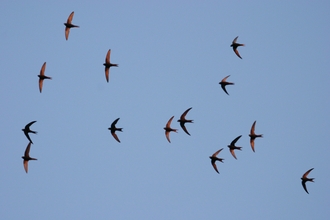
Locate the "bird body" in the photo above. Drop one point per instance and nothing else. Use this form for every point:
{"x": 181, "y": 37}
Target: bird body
{"x": 224, "y": 83}
{"x": 214, "y": 158}
{"x": 113, "y": 129}
{"x": 42, "y": 76}
{"x": 108, "y": 64}
{"x": 305, "y": 179}
{"x": 27, "y": 157}
{"x": 234, "y": 45}
{"x": 233, "y": 147}
{"x": 69, "y": 25}
{"x": 183, "y": 120}
{"x": 168, "y": 129}
{"x": 27, "y": 130}
{"x": 253, "y": 135}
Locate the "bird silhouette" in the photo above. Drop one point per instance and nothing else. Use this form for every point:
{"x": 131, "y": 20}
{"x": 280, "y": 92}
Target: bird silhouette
{"x": 42, "y": 76}
{"x": 27, "y": 130}
{"x": 183, "y": 120}
{"x": 235, "y": 45}
{"x": 69, "y": 25}
{"x": 223, "y": 84}
{"x": 168, "y": 129}
{"x": 253, "y": 135}
{"x": 113, "y": 129}
{"x": 108, "y": 64}
{"x": 214, "y": 158}
{"x": 27, "y": 157}
{"x": 304, "y": 179}
{"x": 232, "y": 146}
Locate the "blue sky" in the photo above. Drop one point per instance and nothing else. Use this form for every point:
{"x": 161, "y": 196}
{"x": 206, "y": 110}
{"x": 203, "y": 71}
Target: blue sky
{"x": 171, "y": 57}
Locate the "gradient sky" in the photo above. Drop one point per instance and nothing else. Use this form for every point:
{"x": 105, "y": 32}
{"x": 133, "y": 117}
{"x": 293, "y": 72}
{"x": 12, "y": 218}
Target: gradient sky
{"x": 171, "y": 56}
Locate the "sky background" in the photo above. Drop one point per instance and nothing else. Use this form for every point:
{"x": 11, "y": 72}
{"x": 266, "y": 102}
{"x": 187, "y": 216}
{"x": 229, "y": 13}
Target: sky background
{"x": 171, "y": 56}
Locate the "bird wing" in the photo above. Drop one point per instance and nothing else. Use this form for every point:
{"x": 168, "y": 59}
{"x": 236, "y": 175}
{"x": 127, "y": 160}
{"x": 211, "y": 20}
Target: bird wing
{"x": 28, "y": 125}
{"x": 252, "y": 128}
{"x": 70, "y": 18}
{"x": 107, "y": 58}
{"x": 168, "y": 124}
{"x": 235, "y": 140}
{"x": 234, "y": 41}
{"x": 42, "y": 70}
{"x": 233, "y": 153}
{"x": 25, "y": 164}
{"x": 306, "y": 174}
{"x": 304, "y": 185}
{"x": 113, "y": 125}
{"x": 185, "y": 113}
{"x": 216, "y": 153}
{"x": 252, "y": 143}
{"x": 115, "y": 136}
{"x": 67, "y": 31}
{"x": 214, "y": 166}
{"x": 224, "y": 88}
{"x": 237, "y": 53}
{"x": 107, "y": 70}
{"x": 40, "y": 84}
{"x": 167, "y": 134}
{"x": 27, "y": 150}
{"x": 224, "y": 79}
{"x": 184, "y": 127}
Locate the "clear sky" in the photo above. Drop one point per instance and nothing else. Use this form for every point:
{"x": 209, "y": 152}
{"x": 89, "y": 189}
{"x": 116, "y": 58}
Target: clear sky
{"x": 172, "y": 56}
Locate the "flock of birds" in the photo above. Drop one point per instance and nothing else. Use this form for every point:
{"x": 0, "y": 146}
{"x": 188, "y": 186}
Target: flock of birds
{"x": 232, "y": 147}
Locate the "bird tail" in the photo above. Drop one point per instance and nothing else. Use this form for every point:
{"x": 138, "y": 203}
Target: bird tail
{"x": 312, "y": 179}
{"x": 120, "y": 129}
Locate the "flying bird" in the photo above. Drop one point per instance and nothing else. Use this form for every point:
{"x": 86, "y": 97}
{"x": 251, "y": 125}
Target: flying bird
{"x": 232, "y": 146}
{"x": 183, "y": 120}
{"x": 235, "y": 45}
{"x": 253, "y": 135}
{"x": 304, "y": 179}
{"x": 27, "y": 157}
{"x": 168, "y": 129}
{"x": 214, "y": 158}
{"x": 108, "y": 64}
{"x": 69, "y": 25}
{"x": 42, "y": 76}
{"x": 223, "y": 84}
{"x": 27, "y": 130}
{"x": 113, "y": 129}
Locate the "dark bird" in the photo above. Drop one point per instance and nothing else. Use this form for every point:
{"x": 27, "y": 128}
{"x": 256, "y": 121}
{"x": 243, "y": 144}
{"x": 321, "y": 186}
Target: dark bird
{"x": 108, "y": 64}
{"x": 27, "y": 130}
{"x": 223, "y": 84}
{"x": 168, "y": 129}
{"x": 42, "y": 76}
{"x": 235, "y": 45}
{"x": 232, "y": 146}
{"x": 113, "y": 129}
{"x": 27, "y": 157}
{"x": 214, "y": 158}
{"x": 183, "y": 120}
{"x": 253, "y": 135}
{"x": 69, "y": 25}
{"x": 304, "y": 179}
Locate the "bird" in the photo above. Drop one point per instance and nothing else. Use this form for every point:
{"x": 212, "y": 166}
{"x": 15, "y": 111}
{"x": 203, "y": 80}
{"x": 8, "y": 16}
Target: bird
{"x": 235, "y": 45}
{"x": 304, "y": 179}
{"x": 232, "y": 146}
{"x": 113, "y": 129}
{"x": 223, "y": 84}
{"x": 214, "y": 158}
{"x": 168, "y": 129}
{"x": 108, "y": 64}
{"x": 27, "y": 157}
{"x": 183, "y": 120}
{"x": 42, "y": 76}
{"x": 27, "y": 130}
{"x": 69, "y": 25}
{"x": 253, "y": 135}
